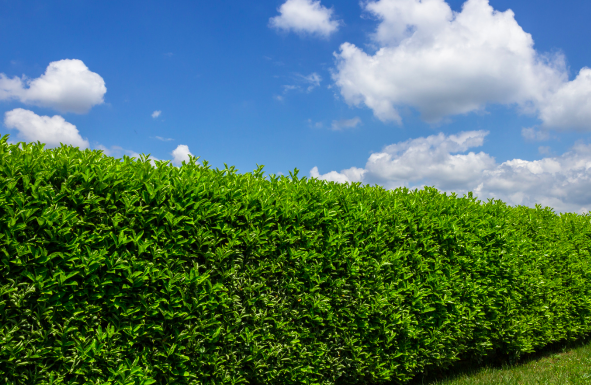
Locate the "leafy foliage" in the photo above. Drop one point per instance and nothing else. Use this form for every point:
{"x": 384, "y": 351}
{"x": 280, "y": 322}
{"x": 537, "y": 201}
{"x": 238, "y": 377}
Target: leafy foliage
{"x": 117, "y": 272}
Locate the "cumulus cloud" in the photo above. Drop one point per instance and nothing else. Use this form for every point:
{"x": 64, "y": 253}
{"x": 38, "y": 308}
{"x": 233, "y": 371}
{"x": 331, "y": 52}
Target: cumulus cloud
{"x": 66, "y": 86}
{"x": 338, "y": 125}
{"x": 445, "y": 63}
{"x": 305, "y": 16}
{"x": 561, "y": 182}
{"x": 570, "y": 105}
{"x": 180, "y": 154}
{"x": 156, "y": 114}
{"x": 49, "y": 130}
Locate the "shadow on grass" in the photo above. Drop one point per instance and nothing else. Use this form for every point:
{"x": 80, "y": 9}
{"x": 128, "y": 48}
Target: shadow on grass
{"x": 472, "y": 366}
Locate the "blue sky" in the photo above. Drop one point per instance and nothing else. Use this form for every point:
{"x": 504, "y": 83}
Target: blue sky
{"x": 492, "y": 97}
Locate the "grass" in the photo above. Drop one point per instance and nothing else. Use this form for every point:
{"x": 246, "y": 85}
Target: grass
{"x": 560, "y": 364}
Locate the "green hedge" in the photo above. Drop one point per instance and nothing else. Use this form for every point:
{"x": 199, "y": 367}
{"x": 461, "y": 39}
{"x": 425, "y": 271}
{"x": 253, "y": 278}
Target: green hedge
{"x": 118, "y": 272}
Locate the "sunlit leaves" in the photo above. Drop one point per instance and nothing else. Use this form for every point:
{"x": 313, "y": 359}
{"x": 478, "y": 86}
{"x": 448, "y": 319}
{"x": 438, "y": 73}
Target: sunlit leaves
{"x": 116, "y": 272}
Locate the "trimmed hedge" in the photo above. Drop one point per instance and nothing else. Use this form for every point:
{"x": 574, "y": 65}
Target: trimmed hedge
{"x": 118, "y": 272}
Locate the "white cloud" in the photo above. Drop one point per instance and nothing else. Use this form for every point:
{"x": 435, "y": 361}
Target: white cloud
{"x": 544, "y": 150}
{"x": 446, "y": 63}
{"x": 156, "y": 114}
{"x": 338, "y": 125}
{"x": 313, "y": 79}
{"x": 180, "y": 154}
{"x": 561, "y": 182}
{"x": 531, "y": 134}
{"x": 49, "y": 130}
{"x": 66, "y": 86}
{"x": 315, "y": 125}
{"x": 287, "y": 88}
{"x": 305, "y": 16}
{"x": 570, "y": 105}
{"x": 164, "y": 139}
{"x": 352, "y": 174}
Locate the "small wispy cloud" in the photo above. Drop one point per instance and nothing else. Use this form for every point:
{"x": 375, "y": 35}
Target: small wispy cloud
{"x": 544, "y": 150}
{"x": 287, "y": 88}
{"x": 313, "y": 79}
{"x": 156, "y": 114}
{"x": 163, "y": 139}
{"x": 275, "y": 62}
{"x": 532, "y": 134}
{"x": 278, "y": 97}
{"x": 315, "y": 125}
{"x": 338, "y": 125}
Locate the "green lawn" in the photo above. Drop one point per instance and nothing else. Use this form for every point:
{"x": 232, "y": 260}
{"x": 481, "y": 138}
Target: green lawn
{"x": 561, "y": 365}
